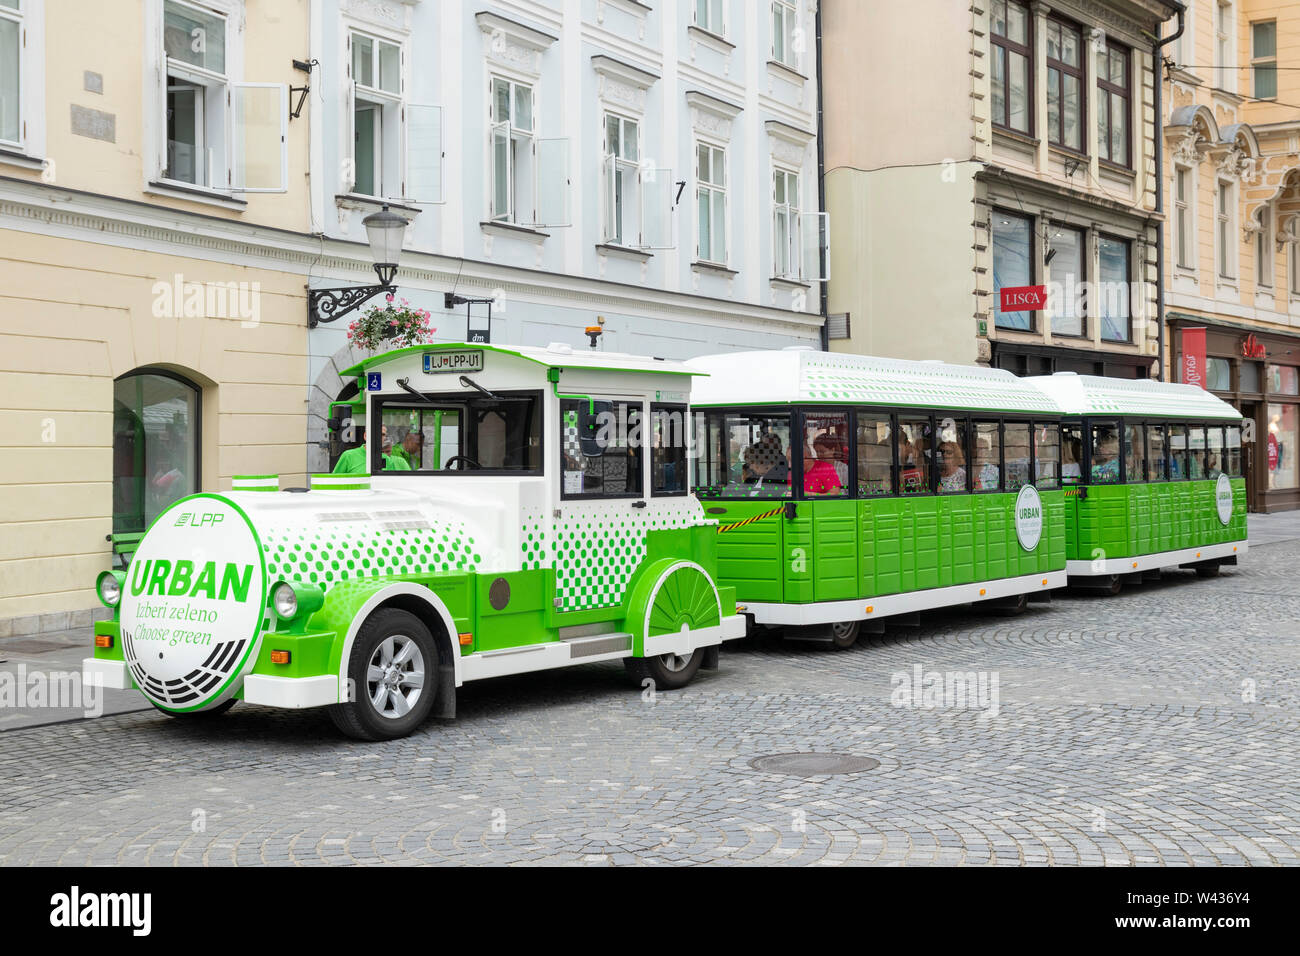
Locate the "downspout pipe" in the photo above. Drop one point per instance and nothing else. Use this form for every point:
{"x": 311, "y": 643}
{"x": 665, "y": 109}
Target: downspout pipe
{"x": 1158, "y": 79}
{"x": 821, "y": 178}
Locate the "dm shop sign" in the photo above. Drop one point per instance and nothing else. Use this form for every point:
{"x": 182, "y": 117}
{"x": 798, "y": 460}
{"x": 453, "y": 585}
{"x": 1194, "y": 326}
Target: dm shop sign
{"x": 192, "y": 608}
{"x": 1023, "y": 298}
{"x": 466, "y": 361}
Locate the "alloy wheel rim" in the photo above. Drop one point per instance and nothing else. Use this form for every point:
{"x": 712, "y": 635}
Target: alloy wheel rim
{"x": 395, "y": 676}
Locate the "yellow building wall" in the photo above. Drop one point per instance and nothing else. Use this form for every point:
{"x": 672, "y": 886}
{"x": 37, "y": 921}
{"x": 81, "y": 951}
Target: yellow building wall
{"x": 73, "y": 317}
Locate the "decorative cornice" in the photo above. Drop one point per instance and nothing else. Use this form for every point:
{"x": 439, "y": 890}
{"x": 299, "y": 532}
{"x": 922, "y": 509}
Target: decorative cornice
{"x": 712, "y": 115}
{"x": 626, "y": 72}
{"x": 513, "y": 44}
{"x": 393, "y": 14}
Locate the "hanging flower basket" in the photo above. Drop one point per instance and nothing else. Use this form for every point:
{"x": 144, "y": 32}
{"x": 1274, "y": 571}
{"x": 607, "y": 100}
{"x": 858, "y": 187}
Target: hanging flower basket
{"x": 400, "y": 324}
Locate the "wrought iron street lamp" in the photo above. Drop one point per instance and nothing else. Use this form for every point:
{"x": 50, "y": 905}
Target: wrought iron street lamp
{"x": 385, "y": 231}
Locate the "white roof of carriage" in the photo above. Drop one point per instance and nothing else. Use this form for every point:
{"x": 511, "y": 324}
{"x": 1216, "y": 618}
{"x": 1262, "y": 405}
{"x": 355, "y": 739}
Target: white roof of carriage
{"x": 805, "y": 376}
{"x": 1094, "y": 395}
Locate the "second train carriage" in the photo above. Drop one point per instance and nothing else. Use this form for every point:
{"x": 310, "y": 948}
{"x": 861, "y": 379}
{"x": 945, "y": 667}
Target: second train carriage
{"x": 1153, "y": 475}
{"x": 852, "y": 488}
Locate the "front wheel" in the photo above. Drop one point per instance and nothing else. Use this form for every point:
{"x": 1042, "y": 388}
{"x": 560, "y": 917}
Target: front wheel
{"x": 844, "y": 634}
{"x": 217, "y": 711}
{"x": 668, "y": 671}
{"x": 391, "y": 674}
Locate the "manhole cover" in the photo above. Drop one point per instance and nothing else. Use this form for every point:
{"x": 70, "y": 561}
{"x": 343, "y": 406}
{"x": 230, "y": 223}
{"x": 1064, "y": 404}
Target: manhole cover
{"x": 813, "y": 765}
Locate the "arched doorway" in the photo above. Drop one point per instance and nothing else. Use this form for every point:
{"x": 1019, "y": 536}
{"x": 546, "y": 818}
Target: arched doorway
{"x": 156, "y": 442}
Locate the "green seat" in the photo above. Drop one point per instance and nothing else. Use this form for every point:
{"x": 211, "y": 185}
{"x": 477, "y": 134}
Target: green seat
{"x": 124, "y": 545}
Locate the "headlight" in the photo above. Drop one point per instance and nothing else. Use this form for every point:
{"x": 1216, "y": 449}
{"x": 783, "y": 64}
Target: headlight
{"x": 284, "y": 600}
{"x": 109, "y": 587}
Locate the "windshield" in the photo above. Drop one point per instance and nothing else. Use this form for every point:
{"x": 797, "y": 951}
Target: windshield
{"x": 461, "y": 433}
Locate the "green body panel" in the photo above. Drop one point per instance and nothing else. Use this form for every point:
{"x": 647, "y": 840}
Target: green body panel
{"x": 521, "y": 621}
{"x": 113, "y": 630}
{"x": 309, "y": 654}
{"x": 1123, "y": 521}
{"x": 842, "y": 550}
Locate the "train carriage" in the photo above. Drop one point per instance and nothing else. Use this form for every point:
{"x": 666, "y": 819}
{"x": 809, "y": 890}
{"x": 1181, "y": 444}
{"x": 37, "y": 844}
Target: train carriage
{"x": 1153, "y": 472}
{"x": 853, "y": 488}
{"x": 509, "y": 521}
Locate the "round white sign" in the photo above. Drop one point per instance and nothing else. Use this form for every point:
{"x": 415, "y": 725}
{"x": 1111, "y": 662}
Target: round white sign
{"x": 1029, "y": 517}
{"x": 1223, "y": 498}
{"x": 191, "y": 613}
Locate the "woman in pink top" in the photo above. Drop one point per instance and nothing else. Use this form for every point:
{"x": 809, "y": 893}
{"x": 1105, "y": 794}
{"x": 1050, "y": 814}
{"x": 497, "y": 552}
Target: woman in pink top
{"x": 821, "y": 477}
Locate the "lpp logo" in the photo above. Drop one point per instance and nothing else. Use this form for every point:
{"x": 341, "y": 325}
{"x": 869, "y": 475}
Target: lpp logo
{"x": 207, "y": 520}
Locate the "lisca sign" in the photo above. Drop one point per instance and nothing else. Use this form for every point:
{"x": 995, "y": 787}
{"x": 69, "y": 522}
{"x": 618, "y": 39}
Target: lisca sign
{"x": 1022, "y": 298}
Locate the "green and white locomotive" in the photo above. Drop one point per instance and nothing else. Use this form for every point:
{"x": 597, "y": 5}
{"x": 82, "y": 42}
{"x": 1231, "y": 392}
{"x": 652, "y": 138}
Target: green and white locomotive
{"x": 524, "y": 509}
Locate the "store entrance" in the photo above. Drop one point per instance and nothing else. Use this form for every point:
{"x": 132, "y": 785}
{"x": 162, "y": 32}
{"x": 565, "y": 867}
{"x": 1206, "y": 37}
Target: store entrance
{"x": 1250, "y": 458}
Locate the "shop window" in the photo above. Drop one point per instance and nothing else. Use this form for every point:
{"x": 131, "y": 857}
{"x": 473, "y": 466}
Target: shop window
{"x": 1013, "y": 251}
{"x": 743, "y": 455}
{"x": 1218, "y": 375}
{"x": 875, "y": 457}
{"x": 986, "y": 456}
{"x": 1067, "y": 287}
{"x": 1104, "y": 452}
{"x": 950, "y": 457}
{"x": 1157, "y": 466}
{"x": 1113, "y": 266}
{"x": 600, "y": 451}
{"x": 1249, "y": 373}
{"x": 826, "y": 455}
{"x": 1047, "y": 455}
{"x": 1134, "y": 454}
{"x": 1283, "y": 380}
{"x": 1283, "y": 435}
{"x": 668, "y": 441}
{"x": 915, "y": 453}
{"x": 155, "y": 446}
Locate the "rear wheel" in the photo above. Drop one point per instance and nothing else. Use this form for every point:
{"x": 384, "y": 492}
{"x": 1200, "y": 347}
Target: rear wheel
{"x": 1111, "y": 585}
{"x": 844, "y": 634}
{"x": 668, "y": 671}
{"x": 391, "y": 670}
{"x": 1210, "y": 570}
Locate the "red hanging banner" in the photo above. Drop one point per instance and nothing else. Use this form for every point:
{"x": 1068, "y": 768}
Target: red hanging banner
{"x": 1193, "y": 370}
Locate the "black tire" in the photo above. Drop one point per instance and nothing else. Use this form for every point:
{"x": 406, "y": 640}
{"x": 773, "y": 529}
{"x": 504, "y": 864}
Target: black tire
{"x": 844, "y": 634}
{"x": 1207, "y": 570}
{"x": 359, "y": 718}
{"x": 665, "y": 678}
{"x": 1112, "y": 585}
{"x": 1012, "y": 607}
{"x": 217, "y": 711}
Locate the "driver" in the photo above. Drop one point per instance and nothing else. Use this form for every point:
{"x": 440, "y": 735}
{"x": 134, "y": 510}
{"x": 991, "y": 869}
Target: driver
{"x": 353, "y": 461}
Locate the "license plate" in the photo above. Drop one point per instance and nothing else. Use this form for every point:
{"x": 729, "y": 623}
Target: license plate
{"x": 453, "y": 362}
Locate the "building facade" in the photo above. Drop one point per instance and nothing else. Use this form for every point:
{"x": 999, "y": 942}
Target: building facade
{"x": 1019, "y": 152}
{"x": 1232, "y": 181}
{"x": 648, "y": 167}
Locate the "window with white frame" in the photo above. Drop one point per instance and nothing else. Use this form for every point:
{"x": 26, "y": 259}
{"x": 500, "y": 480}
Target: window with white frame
{"x": 512, "y": 150}
{"x": 1224, "y": 58}
{"x": 785, "y": 24}
{"x": 1223, "y": 231}
{"x": 12, "y": 31}
{"x": 708, "y": 16}
{"x": 1263, "y": 251}
{"x": 621, "y": 181}
{"x": 375, "y": 66}
{"x": 1184, "y": 222}
{"x": 195, "y": 43}
{"x": 785, "y": 224}
{"x": 711, "y": 203}
{"x": 1293, "y": 247}
{"x": 1263, "y": 59}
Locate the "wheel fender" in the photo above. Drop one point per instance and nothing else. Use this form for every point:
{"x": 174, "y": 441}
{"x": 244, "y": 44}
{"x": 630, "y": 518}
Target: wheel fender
{"x": 645, "y": 592}
{"x": 372, "y": 597}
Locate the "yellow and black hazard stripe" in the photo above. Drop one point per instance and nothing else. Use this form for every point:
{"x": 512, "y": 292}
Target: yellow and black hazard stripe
{"x": 758, "y": 517}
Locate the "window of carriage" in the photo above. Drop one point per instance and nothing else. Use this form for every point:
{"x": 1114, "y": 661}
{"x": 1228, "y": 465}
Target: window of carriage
{"x": 1134, "y": 453}
{"x": 986, "y": 456}
{"x": 1047, "y": 455}
{"x": 668, "y": 450}
{"x": 1071, "y": 453}
{"x": 1065, "y": 79}
{"x": 1215, "y": 451}
{"x": 456, "y": 434}
{"x": 1176, "y": 452}
{"x": 951, "y": 456}
{"x": 1103, "y": 453}
{"x": 1115, "y": 303}
{"x": 156, "y": 444}
{"x": 1017, "y": 454}
{"x": 1157, "y": 453}
{"x": 1114, "y": 92}
{"x": 1196, "y": 448}
{"x": 1012, "y": 55}
{"x": 600, "y": 448}
{"x": 743, "y": 454}
{"x": 1232, "y": 451}
{"x": 915, "y": 455}
{"x": 875, "y": 456}
{"x": 826, "y": 455}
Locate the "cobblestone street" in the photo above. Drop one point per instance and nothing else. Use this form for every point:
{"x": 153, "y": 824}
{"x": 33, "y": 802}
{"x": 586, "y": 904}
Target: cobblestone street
{"x": 1156, "y": 727}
